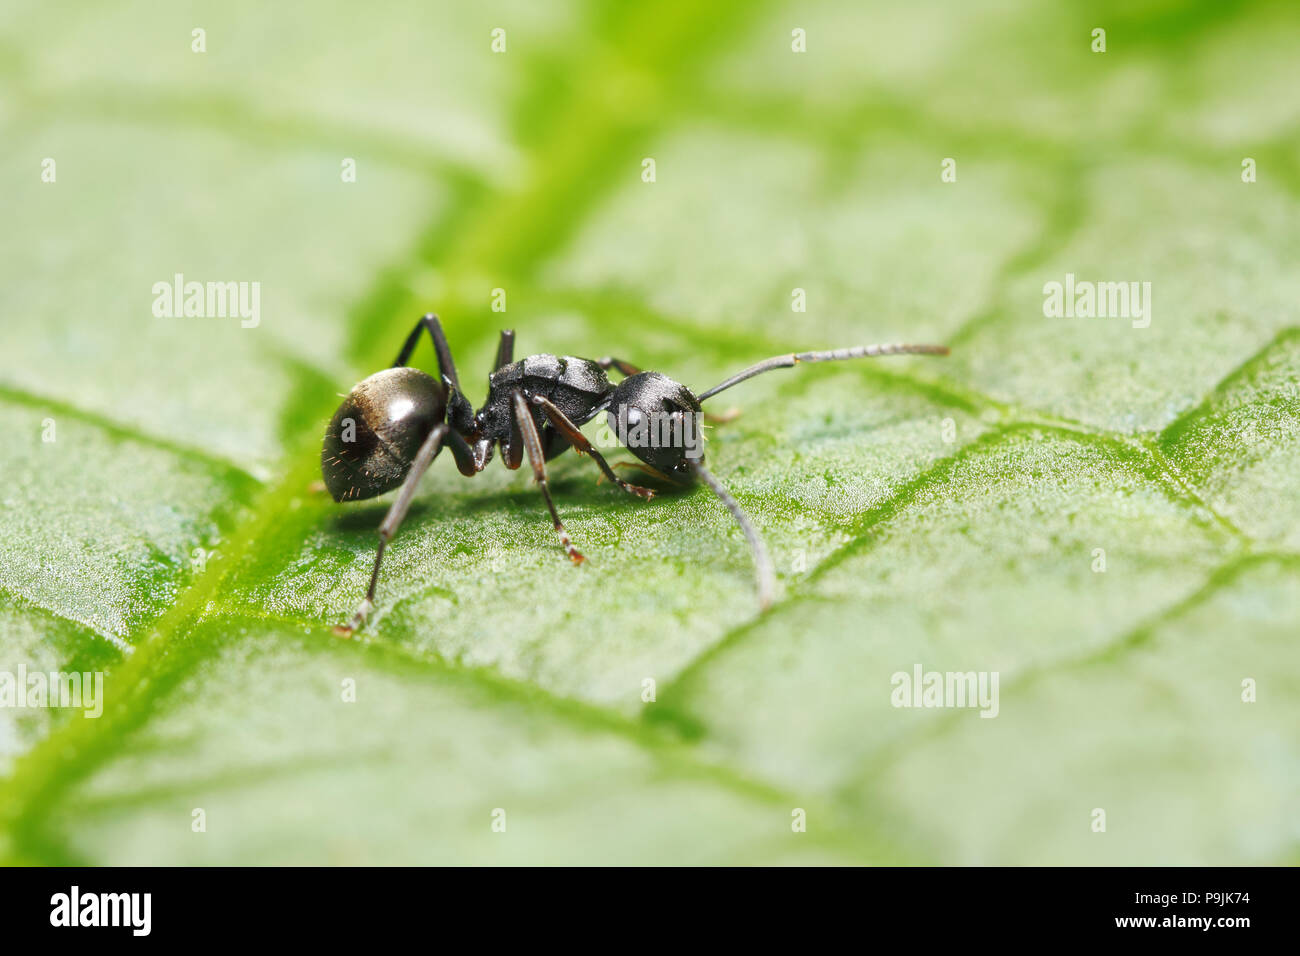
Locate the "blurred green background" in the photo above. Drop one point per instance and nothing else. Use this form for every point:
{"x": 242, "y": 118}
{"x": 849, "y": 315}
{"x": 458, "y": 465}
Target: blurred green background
{"x": 159, "y": 520}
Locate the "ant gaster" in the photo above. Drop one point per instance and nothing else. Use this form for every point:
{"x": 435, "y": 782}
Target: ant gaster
{"x": 392, "y": 425}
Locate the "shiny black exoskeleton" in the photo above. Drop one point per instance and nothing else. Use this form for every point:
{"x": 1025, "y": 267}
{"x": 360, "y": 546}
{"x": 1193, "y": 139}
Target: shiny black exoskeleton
{"x": 378, "y": 431}
{"x": 393, "y": 424}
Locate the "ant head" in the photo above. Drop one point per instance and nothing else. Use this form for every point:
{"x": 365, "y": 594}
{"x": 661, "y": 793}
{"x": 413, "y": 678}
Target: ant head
{"x": 377, "y": 431}
{"x": 659, "y": 421}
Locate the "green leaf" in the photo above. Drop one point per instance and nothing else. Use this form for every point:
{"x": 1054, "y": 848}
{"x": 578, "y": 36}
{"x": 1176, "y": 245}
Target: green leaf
{"x": 1101, "y": 514}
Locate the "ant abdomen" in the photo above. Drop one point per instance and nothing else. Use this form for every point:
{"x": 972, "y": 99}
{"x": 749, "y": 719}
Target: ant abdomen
{"x": 377, "y": 431}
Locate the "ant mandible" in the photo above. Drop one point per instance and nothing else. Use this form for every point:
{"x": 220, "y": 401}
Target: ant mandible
{"x": 392, "y": 425}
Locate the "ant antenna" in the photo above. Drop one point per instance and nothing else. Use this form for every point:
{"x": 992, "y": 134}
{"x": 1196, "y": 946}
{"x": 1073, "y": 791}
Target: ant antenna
{"x": 831, "y": 355}
{"x": 762, "y": 562}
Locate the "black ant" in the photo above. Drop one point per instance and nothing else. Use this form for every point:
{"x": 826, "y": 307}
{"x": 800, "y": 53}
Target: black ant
{"x": 392, "y": 425}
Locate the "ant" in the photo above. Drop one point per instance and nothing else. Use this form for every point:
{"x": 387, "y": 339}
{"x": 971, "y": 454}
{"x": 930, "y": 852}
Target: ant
{"x": 393, "y": 424}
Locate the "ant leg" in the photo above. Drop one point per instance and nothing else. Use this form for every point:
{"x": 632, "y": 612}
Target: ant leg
{"x": 583, "y": 447}
{"x": 446, "y": 366}
{"x": 625, "y": 368}
{"x": 512, "y": 449}
{"x": 393, "y": 520}
{"x": 533, "y": 444}
{"x": 648, "y": 470}
{"x": 553, "y": 441}
{"x": 466, "y": 463}
{"x": 505, "y": 350}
